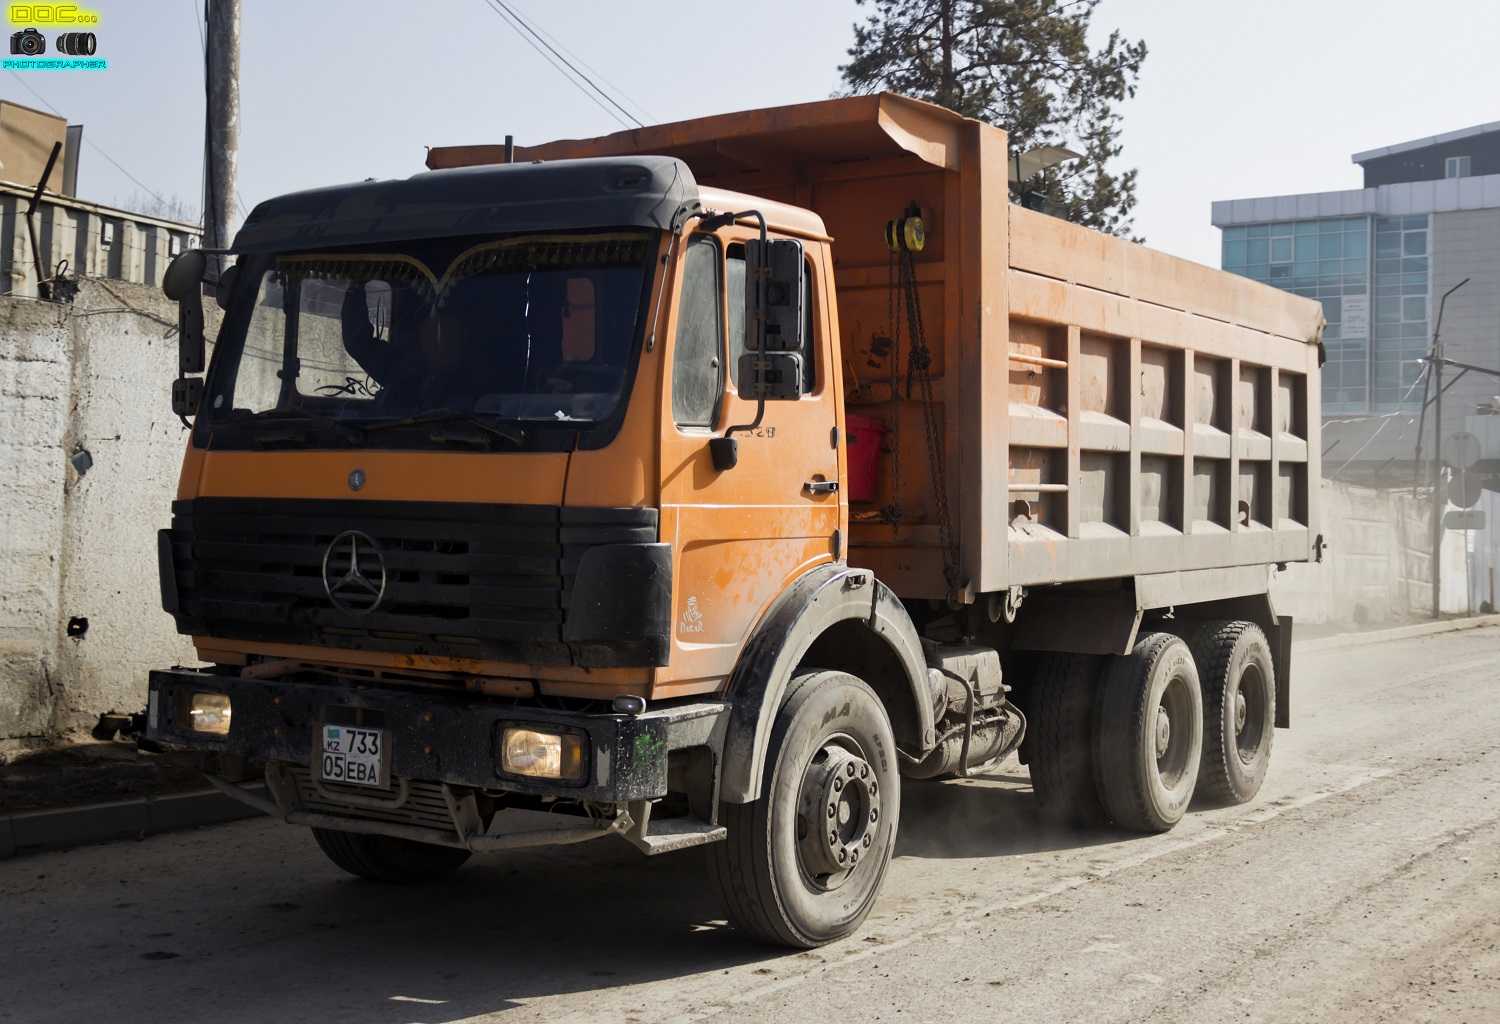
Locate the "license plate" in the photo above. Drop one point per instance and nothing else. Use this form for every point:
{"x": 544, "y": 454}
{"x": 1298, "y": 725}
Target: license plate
{"x": 353, "y": 756}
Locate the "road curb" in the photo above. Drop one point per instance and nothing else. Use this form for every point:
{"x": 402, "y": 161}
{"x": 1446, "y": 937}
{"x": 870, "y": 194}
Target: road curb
{"x": 36, "y": 831}
{"x": 1377, "y": 636}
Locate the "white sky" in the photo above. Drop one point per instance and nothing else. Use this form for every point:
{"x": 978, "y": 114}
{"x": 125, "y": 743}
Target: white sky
{"x": 1237, "y": 98}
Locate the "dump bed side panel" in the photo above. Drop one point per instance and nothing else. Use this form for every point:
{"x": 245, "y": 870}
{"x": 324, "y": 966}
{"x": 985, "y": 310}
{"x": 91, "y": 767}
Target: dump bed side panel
{"x": 1163, "y": 416}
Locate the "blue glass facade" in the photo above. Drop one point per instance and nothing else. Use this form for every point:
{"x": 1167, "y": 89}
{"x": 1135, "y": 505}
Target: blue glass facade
{"x": 1372, "y": 276}
{"x": 1402, "y": 333}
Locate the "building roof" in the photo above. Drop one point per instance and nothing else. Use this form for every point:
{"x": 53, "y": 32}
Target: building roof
{"x": 1431, "y": 140}
{"x": 1479, "y": 192}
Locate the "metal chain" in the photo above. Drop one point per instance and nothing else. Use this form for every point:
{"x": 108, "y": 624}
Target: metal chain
{"x": 920, "y": 367}
{"x": 893, "y": 512}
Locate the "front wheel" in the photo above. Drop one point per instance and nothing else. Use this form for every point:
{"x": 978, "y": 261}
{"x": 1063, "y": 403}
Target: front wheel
{"x": 387, "y": 858}
{"x": 802, "y": 865}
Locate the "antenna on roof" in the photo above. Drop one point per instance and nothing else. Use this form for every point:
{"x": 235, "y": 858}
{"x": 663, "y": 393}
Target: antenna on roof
{"x": 510, "y": 149}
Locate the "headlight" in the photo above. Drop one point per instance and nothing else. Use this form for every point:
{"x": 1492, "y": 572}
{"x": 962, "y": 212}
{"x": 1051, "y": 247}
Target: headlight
{"x": 209, "y": 712}
{"x": 541, "y": 755}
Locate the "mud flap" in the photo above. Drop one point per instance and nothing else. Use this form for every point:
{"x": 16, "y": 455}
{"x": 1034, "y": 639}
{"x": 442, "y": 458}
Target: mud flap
{"x": 1281, "y": 657}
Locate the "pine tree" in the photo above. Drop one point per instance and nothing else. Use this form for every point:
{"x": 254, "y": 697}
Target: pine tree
{"x": 1026, "y": 66}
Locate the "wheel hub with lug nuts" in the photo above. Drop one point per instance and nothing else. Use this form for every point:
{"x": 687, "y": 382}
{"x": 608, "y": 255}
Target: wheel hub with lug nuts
{"x": 1240, "y": 711}
{"x": 1163, "y": 731}
{"x": 840, "y": 813}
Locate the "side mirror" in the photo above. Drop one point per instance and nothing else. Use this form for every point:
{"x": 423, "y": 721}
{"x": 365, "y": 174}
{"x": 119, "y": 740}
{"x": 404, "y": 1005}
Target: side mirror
{"x": 225, "y": 288}
{"x": 183, "y": 284}
{"x": 771, "y": 368}
{"x": 773, "y": 376}
{"x": 187, "y": 396}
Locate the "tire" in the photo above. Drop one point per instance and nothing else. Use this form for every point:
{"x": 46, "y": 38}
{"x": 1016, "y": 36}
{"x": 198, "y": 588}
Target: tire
{"x": 388, "y": 859}
{"x": 1063, "y": 691}
{"x": 777, "y": 876}
{"x": 1239, "y": 709}
{"x": 1149, "y": 734}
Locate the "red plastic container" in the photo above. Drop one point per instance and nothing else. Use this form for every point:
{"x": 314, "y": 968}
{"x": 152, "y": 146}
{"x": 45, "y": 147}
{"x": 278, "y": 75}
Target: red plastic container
{"x": 866, "y": 435}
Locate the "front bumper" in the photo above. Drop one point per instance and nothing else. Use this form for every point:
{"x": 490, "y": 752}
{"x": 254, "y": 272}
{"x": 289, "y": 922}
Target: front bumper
{"x": 435, "y": 737}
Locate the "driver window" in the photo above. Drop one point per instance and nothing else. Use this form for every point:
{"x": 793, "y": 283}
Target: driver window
{"x": 697, "y": 371}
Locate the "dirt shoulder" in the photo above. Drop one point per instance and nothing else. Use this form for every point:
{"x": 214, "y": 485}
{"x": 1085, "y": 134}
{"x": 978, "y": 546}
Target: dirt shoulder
{"x": 91, "y": 773}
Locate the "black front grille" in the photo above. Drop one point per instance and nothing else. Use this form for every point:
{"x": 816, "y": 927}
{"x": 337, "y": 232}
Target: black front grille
{"x": 460, "y": 579}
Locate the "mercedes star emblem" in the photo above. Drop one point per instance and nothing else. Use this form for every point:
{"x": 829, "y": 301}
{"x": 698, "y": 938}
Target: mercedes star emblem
{"x": 356, "y": 479}
{"x": 354, "y": 572}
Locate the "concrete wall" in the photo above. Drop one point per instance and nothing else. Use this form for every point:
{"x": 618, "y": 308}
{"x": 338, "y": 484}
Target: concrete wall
{"x": 95, "y": 378}
{"x": 1377, "y": 567}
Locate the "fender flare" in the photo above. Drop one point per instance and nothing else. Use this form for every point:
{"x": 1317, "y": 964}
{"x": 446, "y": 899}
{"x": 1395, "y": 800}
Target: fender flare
{"x": 825, "y": 596}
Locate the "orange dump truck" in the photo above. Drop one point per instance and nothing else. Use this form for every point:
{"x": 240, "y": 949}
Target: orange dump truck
{"x": 700, "y": 483}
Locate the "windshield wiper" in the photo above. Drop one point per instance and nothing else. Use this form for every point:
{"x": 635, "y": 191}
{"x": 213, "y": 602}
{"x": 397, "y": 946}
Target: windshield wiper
{"x": 294, "y": 424}
{"x": 441, "y": 416}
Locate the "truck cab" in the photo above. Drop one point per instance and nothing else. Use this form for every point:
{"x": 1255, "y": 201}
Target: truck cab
{"x": 516, "y": 507}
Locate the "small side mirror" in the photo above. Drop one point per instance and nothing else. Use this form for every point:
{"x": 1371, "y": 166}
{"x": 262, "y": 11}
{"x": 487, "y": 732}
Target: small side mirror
{"x": 771, "y": 376}
{"x": 774, "y": 320}
{"x": 183, "y": 284}
{"x": 187, "y": 396}
{"x": 225, "y": 288}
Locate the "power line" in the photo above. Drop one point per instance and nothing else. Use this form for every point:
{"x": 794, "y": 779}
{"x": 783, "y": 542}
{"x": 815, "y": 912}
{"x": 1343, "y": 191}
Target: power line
{"x": 149, "y": 190}
{"x": 573, "y": 67}
{"x": 530, "y": 36}
{"x": 516, "y": 28}
{"x": 199, "y": 20}
{"x": 597, "y": 74}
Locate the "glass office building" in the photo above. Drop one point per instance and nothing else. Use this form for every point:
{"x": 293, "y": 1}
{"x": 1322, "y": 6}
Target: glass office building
{"x": 1372, "y": 275}
{"x": 1379, "y": 257}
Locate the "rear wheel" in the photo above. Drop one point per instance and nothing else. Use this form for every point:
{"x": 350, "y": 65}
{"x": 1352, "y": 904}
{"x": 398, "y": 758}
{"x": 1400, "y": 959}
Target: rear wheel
{"x": 1149, "y": 733}
{"x": 1062, "y": 691}
{"x": 802, "y": 865}
{"x": 1239, "y": 709}
{"x": 388, "y": 859}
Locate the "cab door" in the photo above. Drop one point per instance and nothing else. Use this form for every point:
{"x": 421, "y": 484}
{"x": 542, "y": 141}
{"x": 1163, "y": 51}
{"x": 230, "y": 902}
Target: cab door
{"x": 740, "y": 537}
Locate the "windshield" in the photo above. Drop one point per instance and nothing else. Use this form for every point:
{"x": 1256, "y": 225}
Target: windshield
{"x": 539, "y": 330}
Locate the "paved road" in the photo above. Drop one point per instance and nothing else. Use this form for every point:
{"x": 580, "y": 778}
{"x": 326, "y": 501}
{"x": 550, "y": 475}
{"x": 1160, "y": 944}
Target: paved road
{"x": 1362, "y": 886}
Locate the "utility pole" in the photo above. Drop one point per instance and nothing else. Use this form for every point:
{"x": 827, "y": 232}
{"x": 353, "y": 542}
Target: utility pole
{"x": 221, "y": 123}
{"x": 949, "y": 85}
{"x": 1435, "y": 363}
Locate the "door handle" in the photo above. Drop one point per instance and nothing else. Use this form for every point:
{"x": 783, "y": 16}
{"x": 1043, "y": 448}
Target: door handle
{"x": 821, "y": 486}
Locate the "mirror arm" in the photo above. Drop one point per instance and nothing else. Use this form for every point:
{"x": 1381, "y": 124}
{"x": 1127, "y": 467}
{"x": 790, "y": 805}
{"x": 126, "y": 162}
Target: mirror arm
{"x": 760, "y": 413}
{"x": 760, "y": 404}
{"x": 714, "y": 221}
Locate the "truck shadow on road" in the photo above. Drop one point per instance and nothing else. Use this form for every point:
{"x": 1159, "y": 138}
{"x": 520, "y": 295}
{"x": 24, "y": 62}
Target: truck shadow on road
{"x": 991, "y": 814}
{"x": 581, "y": 924}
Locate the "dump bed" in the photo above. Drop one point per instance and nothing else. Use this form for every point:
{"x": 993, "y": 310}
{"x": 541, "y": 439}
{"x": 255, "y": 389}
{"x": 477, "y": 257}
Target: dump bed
{"x": 1103, "y": 410}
